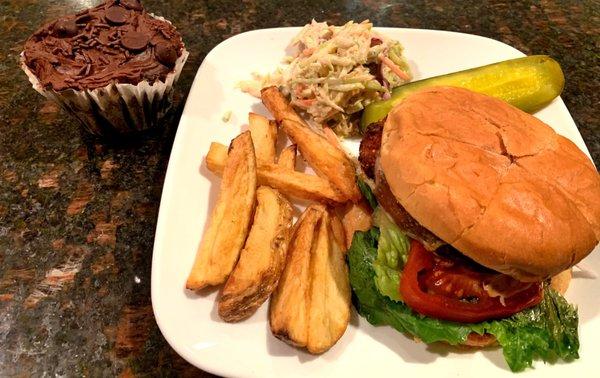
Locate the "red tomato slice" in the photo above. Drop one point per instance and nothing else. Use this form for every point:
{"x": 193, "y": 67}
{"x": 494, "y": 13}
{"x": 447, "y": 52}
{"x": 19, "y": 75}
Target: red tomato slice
{"x": 450, "y": 289}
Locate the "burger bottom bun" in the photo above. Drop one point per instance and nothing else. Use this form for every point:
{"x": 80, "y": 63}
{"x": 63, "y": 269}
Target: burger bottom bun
{"x": 475, "y": 340}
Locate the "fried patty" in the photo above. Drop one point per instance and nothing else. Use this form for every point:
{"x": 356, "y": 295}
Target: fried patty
{"x": 403, "y": 219}
{"x": 368, "y": 155}
{"x": 369, "y": 148}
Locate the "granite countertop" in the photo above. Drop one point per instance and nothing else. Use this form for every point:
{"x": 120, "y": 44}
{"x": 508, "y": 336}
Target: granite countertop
{"x": 77, "y": 217}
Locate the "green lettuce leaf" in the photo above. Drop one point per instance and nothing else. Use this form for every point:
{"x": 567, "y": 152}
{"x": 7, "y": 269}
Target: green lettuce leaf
{"x": 392, "y": 253}
{"x": 366, "y": 191}
{"x": 547, "y": 331}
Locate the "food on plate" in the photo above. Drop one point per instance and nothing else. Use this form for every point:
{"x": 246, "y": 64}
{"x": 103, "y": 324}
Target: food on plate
{"x": 328, "y": 160}
{"x": 332, "y": 138}
{"x": 338, "y": 231}
{"x": 311, "y": 306}
{"x": 299, "y": 185}
{"x": 287, "y": 157}
{"x": 368, "y": 156}
{"x": 336, "y": 71}
{"x": 230, "y": 219}
{"x": 112, "y": 67}
{"x": 264, "y": 137}
{"x": 529, "y": 83}
{"x": 461, "y": 225}
{"x": 217, "y": 157}
{"x": 292, "y": 183}
{"x": 262, "y": 260}
{"x": 329, "y": 307}
{"x": 511, "y": 204}
{"x": 288, "y": 310}
{"x": 494, "y": 151}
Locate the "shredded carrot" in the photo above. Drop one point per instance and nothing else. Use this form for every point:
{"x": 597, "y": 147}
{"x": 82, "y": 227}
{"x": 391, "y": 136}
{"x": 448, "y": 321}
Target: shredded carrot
{"x": 392, "y": 66}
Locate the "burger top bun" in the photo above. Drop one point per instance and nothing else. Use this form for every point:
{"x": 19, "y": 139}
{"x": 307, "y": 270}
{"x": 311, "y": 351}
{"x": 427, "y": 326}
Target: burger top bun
{"x": 493, "y": 181}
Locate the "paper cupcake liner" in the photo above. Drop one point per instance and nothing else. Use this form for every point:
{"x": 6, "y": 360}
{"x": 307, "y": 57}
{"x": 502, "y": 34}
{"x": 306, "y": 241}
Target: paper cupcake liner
{"x": 116, "y": 108}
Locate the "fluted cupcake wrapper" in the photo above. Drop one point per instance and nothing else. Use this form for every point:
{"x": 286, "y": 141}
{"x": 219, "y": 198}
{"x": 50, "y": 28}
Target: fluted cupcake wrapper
{"x": 116, "y": 108}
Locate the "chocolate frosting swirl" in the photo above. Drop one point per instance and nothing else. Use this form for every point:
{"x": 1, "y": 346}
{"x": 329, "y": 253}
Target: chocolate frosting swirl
{"x": 115, "y": 42}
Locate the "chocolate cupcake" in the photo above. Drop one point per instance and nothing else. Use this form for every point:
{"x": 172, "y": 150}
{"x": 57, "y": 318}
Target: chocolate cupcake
{"x": 112, "y": 67}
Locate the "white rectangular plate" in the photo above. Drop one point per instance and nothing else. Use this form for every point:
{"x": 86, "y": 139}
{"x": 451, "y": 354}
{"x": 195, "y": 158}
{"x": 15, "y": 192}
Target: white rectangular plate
{"x": 190, "y": 323}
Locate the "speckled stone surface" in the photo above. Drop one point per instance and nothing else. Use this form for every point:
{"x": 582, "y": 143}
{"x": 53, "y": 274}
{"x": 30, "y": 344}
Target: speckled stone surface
{"x": 77, "y": 216}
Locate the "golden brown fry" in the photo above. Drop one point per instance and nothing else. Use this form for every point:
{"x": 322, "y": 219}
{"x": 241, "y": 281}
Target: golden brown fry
{"x": 338, "y": 231}
{"x": 288, "y": 310}
{"x": 329, "y": 309}
{"x": 287, "y": 158}
{"x": 327, "y": 160}
{"x": 216, "y": 158}
{"x": 331, "y": 137}
{"x": 274, "y": 125}
{"x": 356, "y": 217}
{"x": 291, "y": 183}
{"x": 230, "y": 218}
{"x": 311, "y": 306}
{"x": 264, "y": 136}
{"x": 298, "y": 184}
{"x": 262, "y": 260}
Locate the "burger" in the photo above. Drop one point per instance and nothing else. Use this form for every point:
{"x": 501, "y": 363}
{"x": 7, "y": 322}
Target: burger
{"x": 480, "y": 211}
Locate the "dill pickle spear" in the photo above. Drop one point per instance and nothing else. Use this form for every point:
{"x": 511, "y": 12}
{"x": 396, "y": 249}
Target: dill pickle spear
{"x": 528, "y": 83}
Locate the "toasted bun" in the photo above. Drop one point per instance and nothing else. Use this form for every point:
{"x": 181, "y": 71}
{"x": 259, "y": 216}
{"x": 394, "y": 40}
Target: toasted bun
{"x": 494, "y": 182}
{"x": 475, "y": 340}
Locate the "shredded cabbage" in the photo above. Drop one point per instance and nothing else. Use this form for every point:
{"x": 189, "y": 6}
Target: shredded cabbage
{"x": 336, "y": 71}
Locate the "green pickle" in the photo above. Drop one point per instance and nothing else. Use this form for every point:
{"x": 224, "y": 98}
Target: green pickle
{"x": 529, "y": 83}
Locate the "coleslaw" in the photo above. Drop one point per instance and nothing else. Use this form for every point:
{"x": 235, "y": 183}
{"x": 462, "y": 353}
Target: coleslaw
{"x": 335, "y": 72}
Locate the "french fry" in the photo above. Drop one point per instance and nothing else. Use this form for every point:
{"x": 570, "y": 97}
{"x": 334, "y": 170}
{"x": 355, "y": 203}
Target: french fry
{"x": 287, "y": 158}
{"x": 299, "y": 185}
{"x": 262, "y": 260}
{"x": 291, "y": 183}
{"x": 331, "y": 137}
{"x": 337, "y": 228}
{"x": 327, "y": 160}
{"x": 230, "y": 218}
{"x": 329, "y": 309}
{"x": 311, "y": 306}
{"x": 216, "y": 158}
{"x": 288, "y": 310}
{"x": 264, "y": 137}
